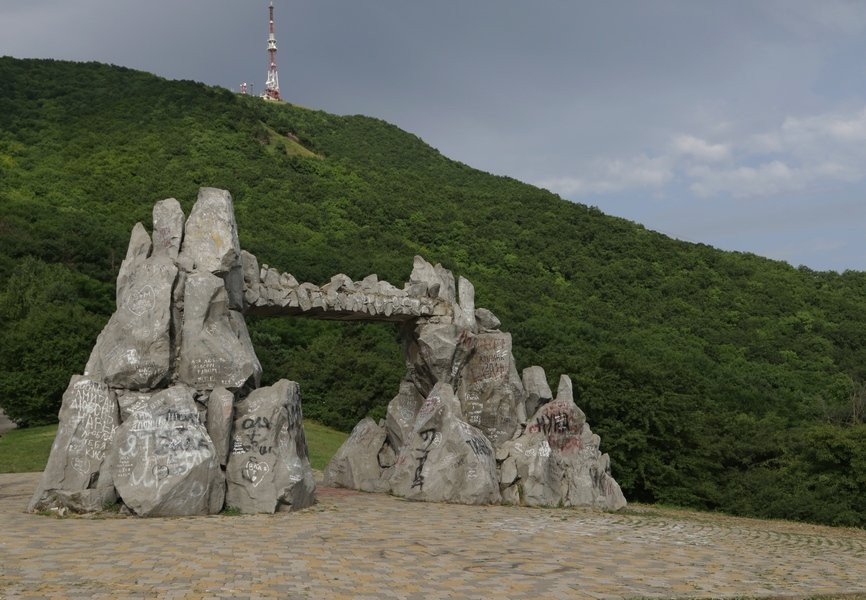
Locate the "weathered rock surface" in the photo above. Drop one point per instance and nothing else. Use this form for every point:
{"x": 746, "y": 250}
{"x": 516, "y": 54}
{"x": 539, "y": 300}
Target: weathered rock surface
{"x": 445, "y": 459}
{"x": 447, "y": 291}
{"x": 137, "y": 251}
{"x": 465, "y": 316}
{"x": 220, "y": 410}
{"x": 130, "y": 401}
{"x": 252, "y": 281}
{"x": 400, "y": 417}
{"x": 557, "y": 461}
{"x": 211, "y": 234}
{"x": 364, "y": 462}
{"x": 134, "y": 349}
{"x": 487, "y": 321}
{"x": 436, "y": 352}
{"x": 162, "y": 460}
{"x": 436, "y": 282}
{"x": 565, "y": 389}
{"x": 88, "y": 418}
{"x": 216, "y": 349}
{"x": 268, "y": 468}
{"x": 211, "y": 241}
{"x": 491, "y": 393}
{"x": 273, "y": 293}
{"x": 536, "y": 388}
{"x": 168, "y": 221}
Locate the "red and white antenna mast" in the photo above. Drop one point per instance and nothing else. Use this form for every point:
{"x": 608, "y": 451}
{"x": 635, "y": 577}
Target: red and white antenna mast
{"x": 272, "y": 85}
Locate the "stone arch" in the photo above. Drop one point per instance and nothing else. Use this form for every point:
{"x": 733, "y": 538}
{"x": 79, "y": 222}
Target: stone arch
{"x": 175, "y": 366}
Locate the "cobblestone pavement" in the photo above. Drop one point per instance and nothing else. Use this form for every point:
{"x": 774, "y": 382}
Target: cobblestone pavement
{"x": 354, "y": 545}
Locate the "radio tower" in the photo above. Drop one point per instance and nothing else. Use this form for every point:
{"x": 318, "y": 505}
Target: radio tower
{"x": 272, "y": 86}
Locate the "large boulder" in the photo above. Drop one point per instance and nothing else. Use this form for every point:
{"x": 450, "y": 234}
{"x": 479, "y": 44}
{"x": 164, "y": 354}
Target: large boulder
{"x": 211, "y": 244}
{"x": 436, "y": 352}
{"x": 162, "y": 459}
{"x": 364, "y": 462}
{"x": 557, "y": 461}
{"x": 211, "y": 233}
{"x": 134, "y": 350}
{"x": 537, "y": 389}
{"x": 71, "y": 479}
{"x": 432, "y": 281}
{"x": 215, "y": 349}
{"x": 366, "y": 459}
{"x": 268, "y": 468}
{"x": 252, "y": 281}
{"x": 168, "y": 222}
{"x": 445, "y": 459}
{"x": 490, "y": 391}
{"x": 137, "y": 251}
{"x": 464, "y": 313}
{"x": 401, "y": 413}
{"x": 487, "y": 321}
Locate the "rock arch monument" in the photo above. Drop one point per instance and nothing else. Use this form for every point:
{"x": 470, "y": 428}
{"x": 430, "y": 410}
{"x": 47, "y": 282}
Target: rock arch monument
{"x": 169, "y": 417}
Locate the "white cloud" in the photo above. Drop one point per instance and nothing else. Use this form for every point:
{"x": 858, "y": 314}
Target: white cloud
{"x": 689, "y": 145}
{"x": 763, "y": 180}
{"x": 826, "y": 127}
{"x": 769, "y": 178}
{"x": 614, "y": 175}
{"x": 769, "y": 142}
{"x": 802, "y": 152}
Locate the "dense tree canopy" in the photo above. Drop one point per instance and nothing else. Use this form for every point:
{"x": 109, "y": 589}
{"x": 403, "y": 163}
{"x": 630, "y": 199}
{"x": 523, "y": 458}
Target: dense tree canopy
{"x": 716, "y": 379}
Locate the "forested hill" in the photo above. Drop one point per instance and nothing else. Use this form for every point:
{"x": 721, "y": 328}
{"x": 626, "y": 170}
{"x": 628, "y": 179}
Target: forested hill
{"x": 716, "y": 379}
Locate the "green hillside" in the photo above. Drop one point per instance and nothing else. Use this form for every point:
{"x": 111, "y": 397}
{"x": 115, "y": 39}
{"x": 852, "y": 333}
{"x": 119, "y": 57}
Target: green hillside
{"x": 717, "y": 380}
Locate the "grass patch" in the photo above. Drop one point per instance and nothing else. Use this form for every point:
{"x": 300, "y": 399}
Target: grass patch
{"x": 322, "y": 443}
{"x": 292, "y": 147}
{"x": 26, "y": 450}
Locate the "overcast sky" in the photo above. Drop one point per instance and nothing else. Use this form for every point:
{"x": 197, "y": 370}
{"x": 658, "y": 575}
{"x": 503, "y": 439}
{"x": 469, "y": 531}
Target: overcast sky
{"x": 737, "y": 124}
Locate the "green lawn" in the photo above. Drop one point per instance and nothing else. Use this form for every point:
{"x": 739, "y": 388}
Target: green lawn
{"x": 25, "y": 450}
{"x": 322, "y": 443}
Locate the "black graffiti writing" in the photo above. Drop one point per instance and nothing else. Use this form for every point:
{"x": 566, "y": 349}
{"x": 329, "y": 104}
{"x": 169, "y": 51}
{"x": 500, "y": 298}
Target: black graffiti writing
{"x": 252, "y": 437}
{"x": 167, "y": 445}
{"x": 479, "y": 447}
{"x": 256, "y": 441}
{"x": 557, "y": 423}
{"x": 257, "y": 423}
{"x": 427, "y": 436}
{"x": 179, "y": 417}
{"x": 386, "y": 457}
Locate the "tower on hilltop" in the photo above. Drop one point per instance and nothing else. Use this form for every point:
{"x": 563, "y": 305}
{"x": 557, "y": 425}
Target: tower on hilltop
{"x": 272, "y": 85}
